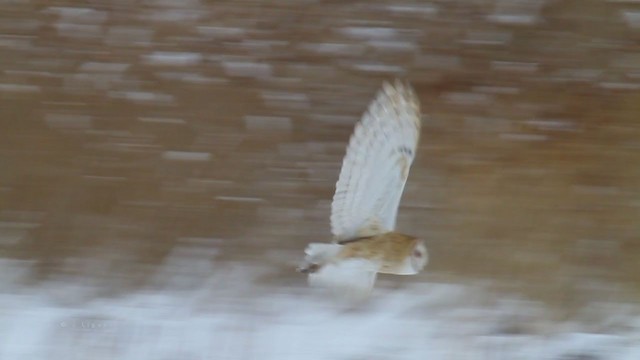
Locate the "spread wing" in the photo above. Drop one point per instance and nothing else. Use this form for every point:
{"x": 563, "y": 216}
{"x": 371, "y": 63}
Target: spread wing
{"x": 376, "y": 166}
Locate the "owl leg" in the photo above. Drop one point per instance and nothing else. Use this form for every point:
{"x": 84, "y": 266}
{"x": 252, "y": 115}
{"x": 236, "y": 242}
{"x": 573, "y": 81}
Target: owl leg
{"x": 318, "y": 254}
{"x": 308, "y": 268}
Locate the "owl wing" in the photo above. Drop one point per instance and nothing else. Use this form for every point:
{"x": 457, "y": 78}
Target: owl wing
{"x": 376, "y": 165}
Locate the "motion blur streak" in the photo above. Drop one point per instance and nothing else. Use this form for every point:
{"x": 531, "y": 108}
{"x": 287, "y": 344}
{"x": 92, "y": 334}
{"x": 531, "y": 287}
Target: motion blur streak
{"x": 164, "y": 163}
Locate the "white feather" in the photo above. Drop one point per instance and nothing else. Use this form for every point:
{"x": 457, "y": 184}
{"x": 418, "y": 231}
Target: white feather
{"x": 351, "y": 280}
{"x": 376, "y": 165}
{"x": 321, "y": 253}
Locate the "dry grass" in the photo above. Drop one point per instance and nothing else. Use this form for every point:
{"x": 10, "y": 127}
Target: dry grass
{"x": 528, "y": 172}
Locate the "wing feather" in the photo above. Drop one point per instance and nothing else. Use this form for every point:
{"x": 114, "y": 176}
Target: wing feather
{"x": 376, "y": 165}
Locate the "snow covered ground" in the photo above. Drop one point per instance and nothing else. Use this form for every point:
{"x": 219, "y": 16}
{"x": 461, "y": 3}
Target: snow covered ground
{"x": 231, "y": 316}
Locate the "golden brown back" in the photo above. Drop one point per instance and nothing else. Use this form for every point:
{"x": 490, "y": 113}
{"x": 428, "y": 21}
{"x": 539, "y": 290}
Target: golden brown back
{"x": 389, "y": 250}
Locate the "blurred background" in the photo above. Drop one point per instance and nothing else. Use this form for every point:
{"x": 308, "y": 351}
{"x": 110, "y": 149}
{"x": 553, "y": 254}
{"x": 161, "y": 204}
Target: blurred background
{"x": 164, "y": 163}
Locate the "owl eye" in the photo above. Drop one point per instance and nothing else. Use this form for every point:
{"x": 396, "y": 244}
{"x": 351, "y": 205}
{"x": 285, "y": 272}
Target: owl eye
{"x": 417, "y": 253}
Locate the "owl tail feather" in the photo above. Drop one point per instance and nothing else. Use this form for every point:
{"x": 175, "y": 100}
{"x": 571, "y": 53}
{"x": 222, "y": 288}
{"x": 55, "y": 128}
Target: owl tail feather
{"x": 317, "y": 255}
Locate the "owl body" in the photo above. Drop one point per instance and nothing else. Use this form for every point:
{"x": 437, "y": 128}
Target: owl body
{"x": 365, "y": 204}
{"x": 387, "y": 253}
{"x": 392, "y": 252}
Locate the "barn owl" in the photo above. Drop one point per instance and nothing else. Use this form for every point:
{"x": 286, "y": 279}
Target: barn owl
{"x": 365, "y": 204}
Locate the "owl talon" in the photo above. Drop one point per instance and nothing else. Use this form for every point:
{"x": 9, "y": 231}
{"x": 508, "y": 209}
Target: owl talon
{"x": 309, "y": 268}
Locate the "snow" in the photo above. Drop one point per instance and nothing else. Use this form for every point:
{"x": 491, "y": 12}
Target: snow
{"x": 524, "y": 137}
{"x": 267, "y": 123}
{"x": 19, "y": 88}
{"x": 378, "y": 68}
{"x": 142, "y": 97}
{"x": 68, "y": 121}
{"x": 225, "y": 313}
{"x": 632, "y": 18}
{"x": 513, "y": 66}
{"x": 380, "y": 33}
{"x": 335, "y": 49}
{"x": 247, "y": 69}
{"x": 169, "y": 58}
{"x": 467, "y": 98}
{"x": 175, "y": 155}
{"x": 513, "y": 19}
{"x": 425, "y": 10}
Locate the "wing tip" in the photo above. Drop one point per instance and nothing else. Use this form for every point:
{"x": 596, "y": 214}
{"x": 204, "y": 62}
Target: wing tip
{"x": 399, "y": 85}
{"x": 397, "y": 88}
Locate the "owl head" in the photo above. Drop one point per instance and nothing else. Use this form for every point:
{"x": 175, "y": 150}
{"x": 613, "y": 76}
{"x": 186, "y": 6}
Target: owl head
{"x": 419, "y": 256}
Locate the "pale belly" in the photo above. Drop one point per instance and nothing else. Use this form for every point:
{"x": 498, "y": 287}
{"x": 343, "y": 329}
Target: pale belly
{"x": 403, "y": 268}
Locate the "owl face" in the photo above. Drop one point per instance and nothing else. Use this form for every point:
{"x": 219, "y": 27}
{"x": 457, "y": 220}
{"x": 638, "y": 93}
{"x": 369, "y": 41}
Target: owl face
{"x": 419, "y": 256}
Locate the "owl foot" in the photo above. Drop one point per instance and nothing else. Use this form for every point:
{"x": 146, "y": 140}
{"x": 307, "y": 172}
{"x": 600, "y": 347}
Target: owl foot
{"x": 308, "y": 268}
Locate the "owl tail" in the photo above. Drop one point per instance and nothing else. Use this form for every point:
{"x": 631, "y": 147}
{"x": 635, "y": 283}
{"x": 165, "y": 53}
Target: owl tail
{"x": 317, "y": 255}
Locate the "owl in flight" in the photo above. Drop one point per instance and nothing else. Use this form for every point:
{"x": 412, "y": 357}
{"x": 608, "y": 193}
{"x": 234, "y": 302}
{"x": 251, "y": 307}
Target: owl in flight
{"x": 365, "y": 204}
